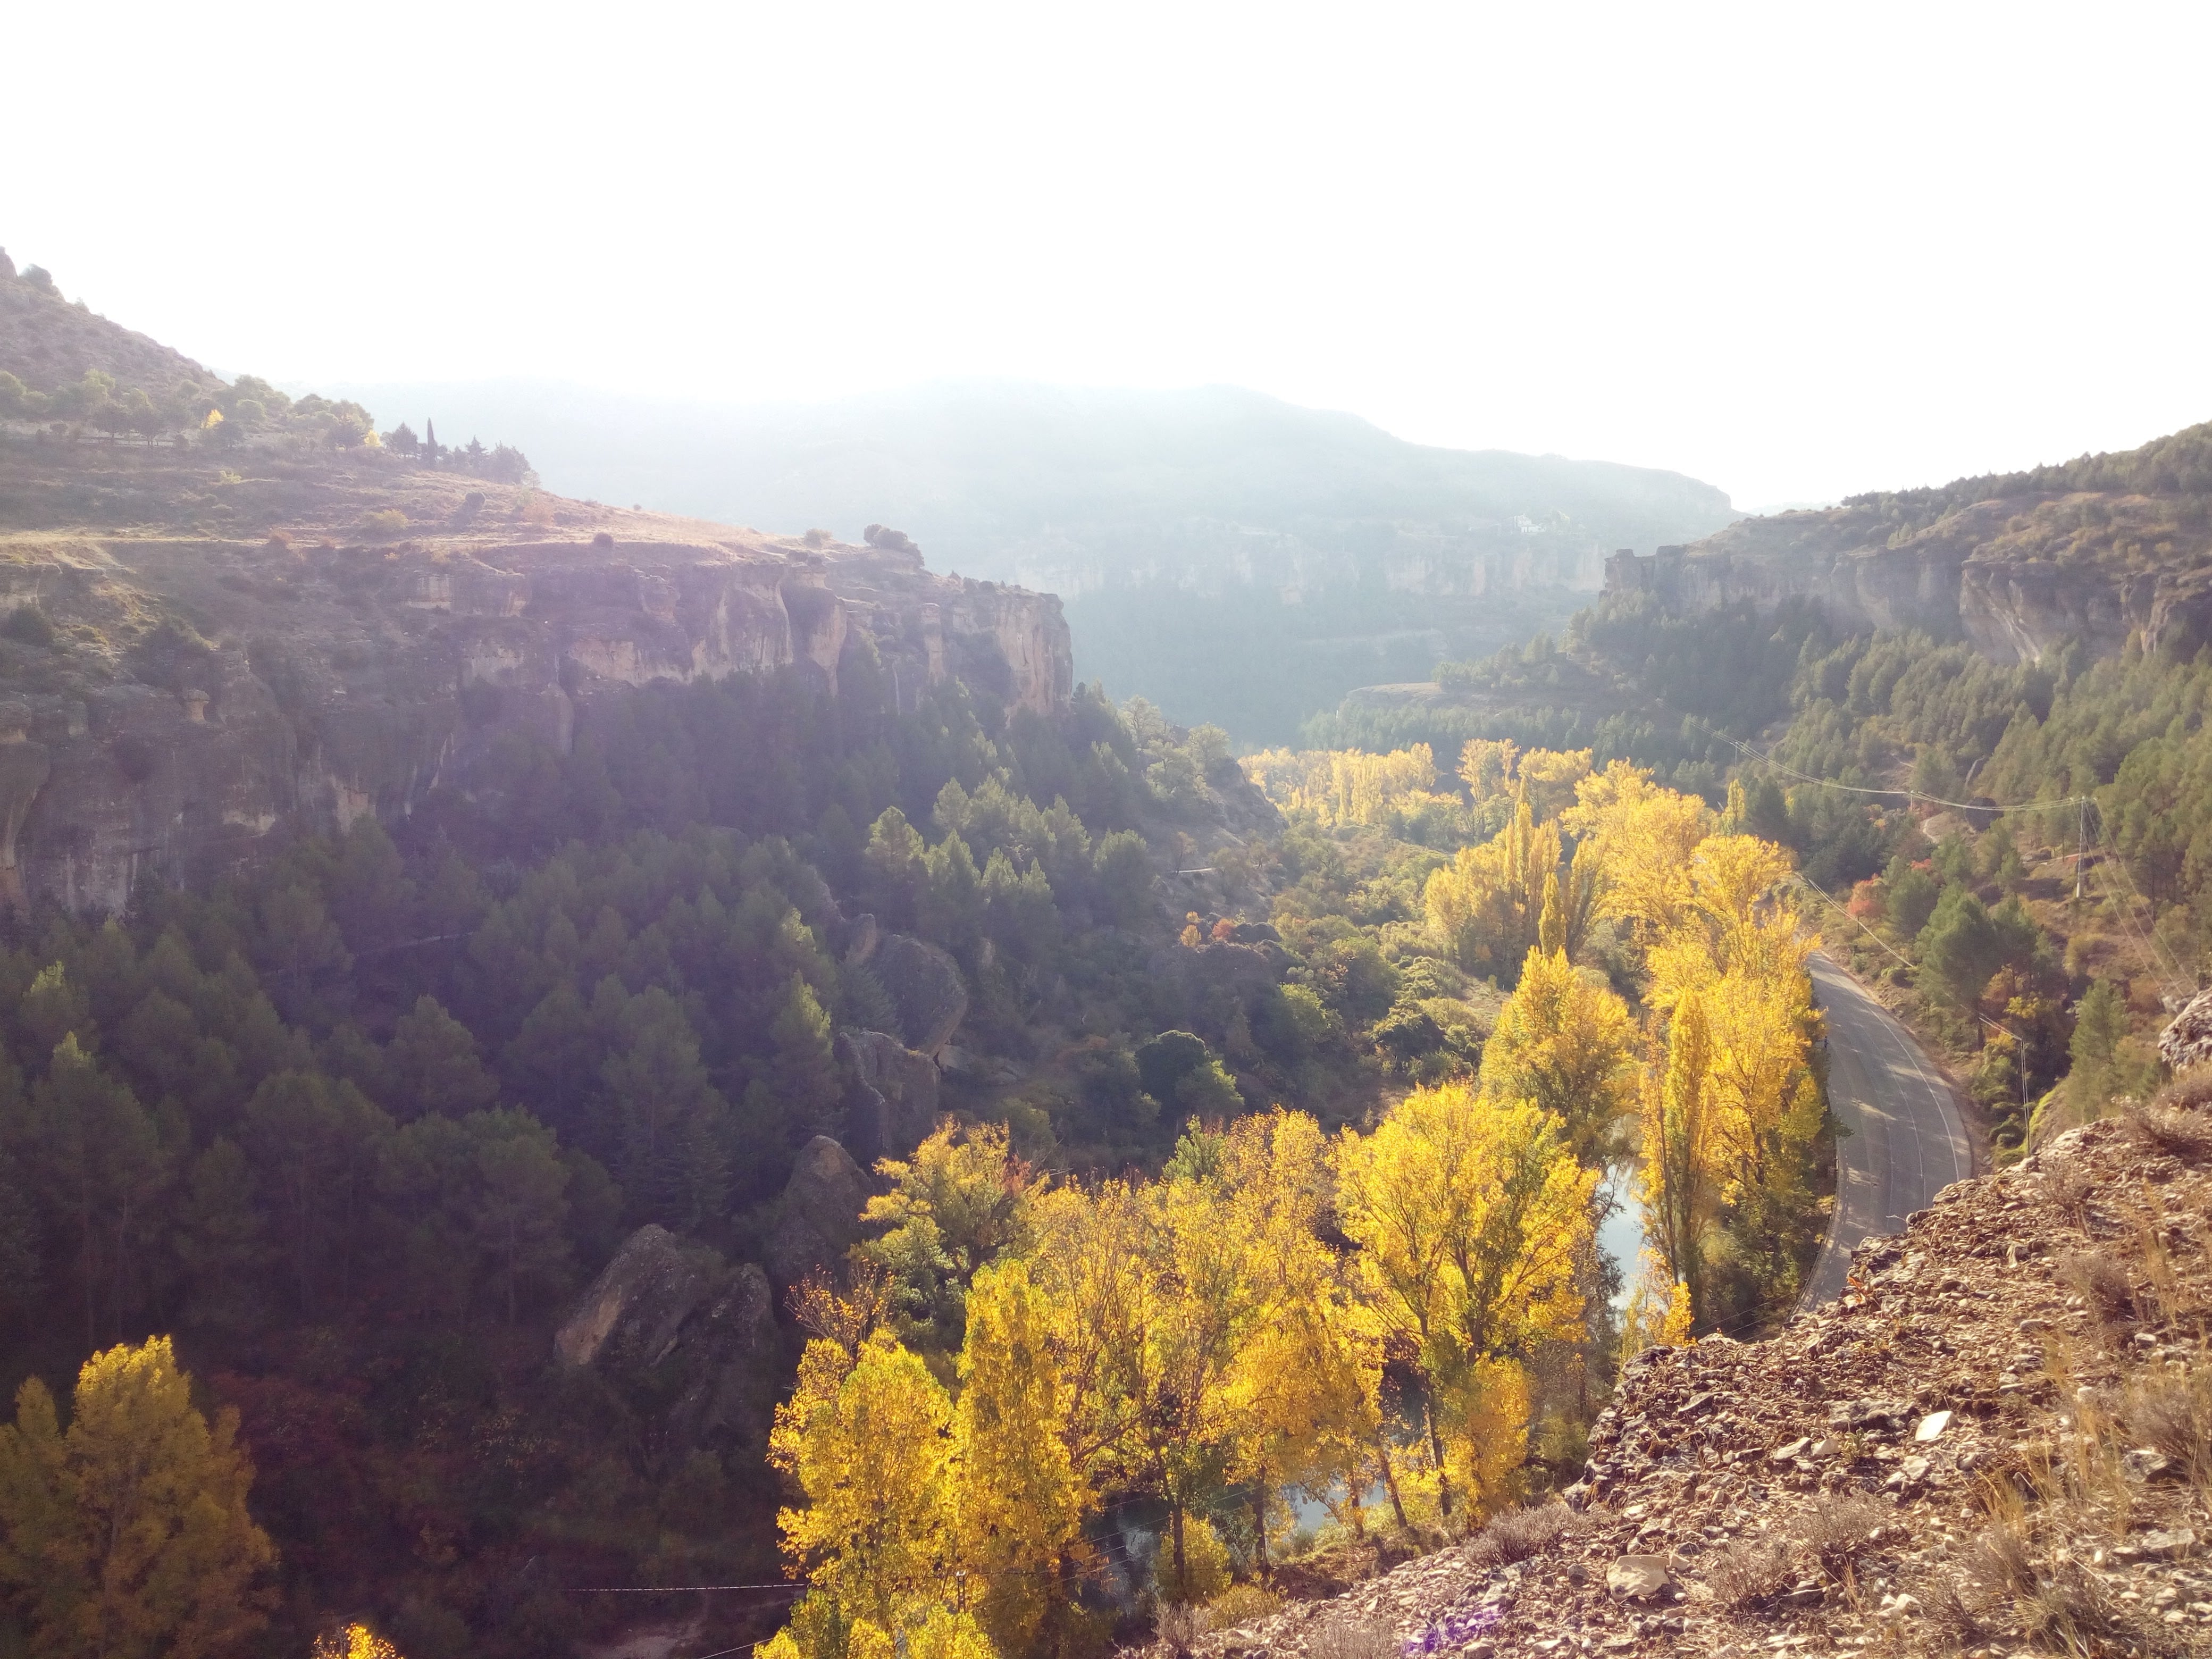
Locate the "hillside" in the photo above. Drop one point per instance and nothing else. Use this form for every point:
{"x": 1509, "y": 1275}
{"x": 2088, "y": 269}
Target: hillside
{"x": 1230, "y": 557}
{"x": 2098, "y": 549}
{"x": 1999, "y": 1440}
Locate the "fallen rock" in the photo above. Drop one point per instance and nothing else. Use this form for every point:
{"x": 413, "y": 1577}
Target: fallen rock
{"x": 635, "y": 1308}
{"x": 1932, "y": 1426}
{"x": 2187, "y": 1039}
{"x": 925, "y": 985}
{"x": 820, "y": 1216}
{"x": 735, "y": 1356}
{"x": 890, "y": 1102}
{"x": 1639, "y": 1578}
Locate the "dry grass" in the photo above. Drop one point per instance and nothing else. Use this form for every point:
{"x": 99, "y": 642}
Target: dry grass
{"x": 1179, "y": 1624}
{"x": 1837, "y": 1533}
{"x": 1946, "y": 1603}
{"x": 1345, "y": 1635}
{"x": 2100, "y": 1281}
{"x": 1241, "y": 1604}
{"x": 1747, "y": 1573}
{"x": 2191, "y": 1092}
{"x": 1516, "y": 1534}
{"x": 2177, "y": 1132}
{"x": 2172, "y": 1414}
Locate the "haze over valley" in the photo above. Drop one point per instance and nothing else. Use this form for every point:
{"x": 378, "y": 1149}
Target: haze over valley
{"x": 985, "y": 835}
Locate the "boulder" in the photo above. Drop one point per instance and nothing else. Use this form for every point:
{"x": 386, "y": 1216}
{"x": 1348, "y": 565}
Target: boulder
{"x": 890, "y": 1102}
{"x": 635, "y": 1311}
{"x": 925, "y": 985}
{"x": 703, "y": 1331}
{"x": 1639, "y": 1578}
{"x": 2187, "y": 1041}
{"x": 734, "y": 1356}
{"x": 821, "y": 1213}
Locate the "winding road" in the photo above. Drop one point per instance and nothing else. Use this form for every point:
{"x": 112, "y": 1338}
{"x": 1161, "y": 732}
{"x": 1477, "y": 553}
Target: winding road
{"x": 1904, "y": 1139}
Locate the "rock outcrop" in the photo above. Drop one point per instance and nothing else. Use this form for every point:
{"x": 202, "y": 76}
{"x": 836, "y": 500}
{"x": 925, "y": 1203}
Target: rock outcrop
{"x": 925, "y": 985}
{"x": 2017, "y": 575}
{"x": 2187, "y": 1039}
{"x": 691, "y": 1328}
{"x": 819, "y": 1216}
{"x": 1994, "y": 1441}
{"x": 315, "y": 687}
{"x": 891, "y": 1103}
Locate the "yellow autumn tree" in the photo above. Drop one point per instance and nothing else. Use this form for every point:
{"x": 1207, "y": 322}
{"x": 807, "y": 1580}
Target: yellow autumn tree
{"x": 870, "y": 1456}
{"x": 127, "y": 1536}
{"x": 953, "y": 1207}
{"x": 1486, "y": 908}
{"x": 352, "y": 1642}
{"x": 1019, "y": 1500}
{"x": 1304, "y": 1396}
{"x": 1469, "y": 1213}
{"x": 1565, "y": 1041}
{"x": 1643, "y": 837}
{"x": 1678, "y": 1175}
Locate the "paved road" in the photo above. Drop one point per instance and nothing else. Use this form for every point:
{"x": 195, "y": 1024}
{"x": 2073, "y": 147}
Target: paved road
{"x": 1905, "y": 1141}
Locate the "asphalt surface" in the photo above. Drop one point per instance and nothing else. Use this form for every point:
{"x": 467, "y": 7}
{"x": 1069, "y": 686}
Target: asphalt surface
{"x": 1904, "y": 1140}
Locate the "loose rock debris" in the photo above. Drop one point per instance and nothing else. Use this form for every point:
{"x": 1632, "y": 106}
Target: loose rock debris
{"x": 1998, "y": 1441}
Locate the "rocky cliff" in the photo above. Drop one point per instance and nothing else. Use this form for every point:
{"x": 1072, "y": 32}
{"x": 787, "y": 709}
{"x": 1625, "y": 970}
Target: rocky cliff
{"x": 2017, "y": 565}
{"x": 170, "y": 693}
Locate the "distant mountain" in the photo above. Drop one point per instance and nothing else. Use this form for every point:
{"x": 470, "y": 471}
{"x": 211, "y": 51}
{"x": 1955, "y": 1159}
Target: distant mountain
{"x": 1232, "y": 557}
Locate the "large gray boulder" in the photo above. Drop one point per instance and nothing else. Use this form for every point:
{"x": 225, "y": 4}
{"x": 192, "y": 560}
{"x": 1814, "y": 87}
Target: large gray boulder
{"x": 2187, "y": 1041}
{"x": 892, "y": 1100}
{"x": 926, "y": 988}
{"x": 692, "y": 1326}
{"x": 820, "y": 1214}
{"x": 635, "y": 1311}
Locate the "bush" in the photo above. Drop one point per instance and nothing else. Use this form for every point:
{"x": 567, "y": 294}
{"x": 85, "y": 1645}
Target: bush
{"x": 384, "y": 523}
{"x": 28, "y": 625}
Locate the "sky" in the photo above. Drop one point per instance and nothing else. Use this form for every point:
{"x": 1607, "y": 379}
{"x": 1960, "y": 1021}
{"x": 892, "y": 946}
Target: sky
{"x": 1796, "y": 251}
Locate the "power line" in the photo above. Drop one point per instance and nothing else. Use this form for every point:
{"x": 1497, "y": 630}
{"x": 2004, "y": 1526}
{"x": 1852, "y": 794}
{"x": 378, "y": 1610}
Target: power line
{"x": 674, "y": 1590}
{"x": 1765, "y": 758}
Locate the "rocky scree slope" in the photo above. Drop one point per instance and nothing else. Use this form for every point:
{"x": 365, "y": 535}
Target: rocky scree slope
{"x": 2100, "y": 550}
{"x": 1999, "y": 1441}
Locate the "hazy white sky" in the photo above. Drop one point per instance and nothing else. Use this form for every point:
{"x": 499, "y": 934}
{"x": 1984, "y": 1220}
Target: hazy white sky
{"x": 1794, "y": 249}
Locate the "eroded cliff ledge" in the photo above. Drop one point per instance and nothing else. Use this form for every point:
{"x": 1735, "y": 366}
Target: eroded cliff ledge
{"x": 2017, "y": 565}
{"x": 166, "y": 704}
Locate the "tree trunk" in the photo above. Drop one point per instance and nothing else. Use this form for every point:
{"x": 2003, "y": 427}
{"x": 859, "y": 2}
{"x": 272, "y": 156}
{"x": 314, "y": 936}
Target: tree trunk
{"x": 1390, "y": 1481}
{"x": 1437, "y": 1452}
{"x": 1175, "y": 1531}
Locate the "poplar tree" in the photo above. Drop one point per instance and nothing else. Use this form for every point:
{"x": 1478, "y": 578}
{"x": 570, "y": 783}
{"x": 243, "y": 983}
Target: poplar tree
{"x": 127, "y": 1536}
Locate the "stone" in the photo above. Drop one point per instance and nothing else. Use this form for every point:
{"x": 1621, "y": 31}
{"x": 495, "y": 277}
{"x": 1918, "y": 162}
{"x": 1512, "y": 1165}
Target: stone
{"x": 819, "y": 1216}
{"x": 1790, "y": 1453}
{"x": 1932, "y": 1426}
{"x": 2168, "y": 1544}
{"x": 1639, "y": 1578}
{"x": 2187, "y": 1039}
{"x": 735, "y": 1356}
{"x": 2143, "y": 1463}
{"x": 890, "y": 1097}
{"x": 925, "y": 985}
{"x": 635, "y": 1308}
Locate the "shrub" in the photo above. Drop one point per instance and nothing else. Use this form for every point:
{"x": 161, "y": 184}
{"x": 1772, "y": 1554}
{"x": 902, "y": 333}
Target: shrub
{"x": 28, "y": 625}
{"x": 384, "y": 523}
{"x": 1240, "y": 1604}
{"x": 1516, "y": 1534}
{"x": 1838, "y": 1532}
{"x": 1347, "y": 1635}
{"x": 1179, "y": 1624}
{"x": 1747, "y": 1573}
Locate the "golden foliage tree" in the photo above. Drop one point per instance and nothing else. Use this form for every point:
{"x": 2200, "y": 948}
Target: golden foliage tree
{"x": 874, "y": 1538}
{"x": 1565, "y": 1041}
{"x": 1020, "y": 1499}
{"x": 1487, "y": 907}
{"x": 127, "y": 1536}
{"x": 1643, "y": 837}
{"x": 960, "y": 1200}
{"x": 1469, "y": 1213}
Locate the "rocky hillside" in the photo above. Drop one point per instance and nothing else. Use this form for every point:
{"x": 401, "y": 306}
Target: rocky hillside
{"x": 47, "y": 341}
{"x": 209, "y": 633}
{"x": 1999, "y": 1441}
{"x": 2101, "y": 549}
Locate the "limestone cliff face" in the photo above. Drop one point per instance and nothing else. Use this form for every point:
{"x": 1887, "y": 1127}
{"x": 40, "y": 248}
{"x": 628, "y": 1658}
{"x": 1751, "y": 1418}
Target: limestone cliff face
{"x": 318, "y": 686}
{"x": 2017, "y": 576}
